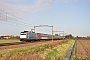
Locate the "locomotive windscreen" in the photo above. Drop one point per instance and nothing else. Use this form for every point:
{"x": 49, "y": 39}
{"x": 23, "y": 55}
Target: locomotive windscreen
{"x": 23, "y": 33}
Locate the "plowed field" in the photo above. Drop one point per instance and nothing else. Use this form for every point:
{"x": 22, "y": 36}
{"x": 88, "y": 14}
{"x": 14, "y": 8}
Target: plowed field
{"x": 82, "y": 49}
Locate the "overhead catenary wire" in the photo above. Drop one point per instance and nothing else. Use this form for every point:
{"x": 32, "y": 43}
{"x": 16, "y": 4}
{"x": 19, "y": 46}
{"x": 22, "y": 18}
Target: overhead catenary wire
{"x": 6, "y": 23}
{"x": 13, "y": 19}
{"x": 15, "y": 22}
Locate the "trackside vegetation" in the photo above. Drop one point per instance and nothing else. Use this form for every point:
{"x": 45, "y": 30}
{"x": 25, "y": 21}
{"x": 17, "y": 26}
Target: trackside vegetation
{"x": 59, "y": 52}
{"x": 47, "y": 51}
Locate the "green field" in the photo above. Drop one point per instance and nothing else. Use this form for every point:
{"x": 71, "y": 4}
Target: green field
{"x": 46, "y": 51}
{"x": 9, "y": 40}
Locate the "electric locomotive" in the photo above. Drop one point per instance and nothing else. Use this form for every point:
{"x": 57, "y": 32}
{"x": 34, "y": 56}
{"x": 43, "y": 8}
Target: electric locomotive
{"x": 32, "y": 36}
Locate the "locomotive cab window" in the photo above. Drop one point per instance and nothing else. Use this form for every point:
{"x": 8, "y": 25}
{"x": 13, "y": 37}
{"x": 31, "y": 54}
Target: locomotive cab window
{"x": 22, "y": 33}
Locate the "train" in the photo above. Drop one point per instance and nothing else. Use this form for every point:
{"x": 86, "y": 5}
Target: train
{"x": 32, "y": 36}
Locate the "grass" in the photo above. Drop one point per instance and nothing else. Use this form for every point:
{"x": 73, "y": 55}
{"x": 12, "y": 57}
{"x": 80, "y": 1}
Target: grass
{"x": 59, "y": 52}
{"x": 37, "y": 52}
{"x": 9, "y": 40}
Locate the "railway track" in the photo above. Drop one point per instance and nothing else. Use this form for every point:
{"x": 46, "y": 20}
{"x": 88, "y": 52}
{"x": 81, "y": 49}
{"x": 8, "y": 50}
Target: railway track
{"x": 4, "y": 46}
{"x": 18, "y": 43}
{"x": 14, "y": 43}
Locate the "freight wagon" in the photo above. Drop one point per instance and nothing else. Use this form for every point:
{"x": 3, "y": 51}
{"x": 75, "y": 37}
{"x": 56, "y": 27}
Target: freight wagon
{"x": 32, "y": 36}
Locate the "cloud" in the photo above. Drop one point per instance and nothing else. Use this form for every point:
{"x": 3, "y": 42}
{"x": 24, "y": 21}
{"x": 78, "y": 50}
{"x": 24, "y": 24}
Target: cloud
{"x": 12, "y": 0}
{"x": 39, "y": 5}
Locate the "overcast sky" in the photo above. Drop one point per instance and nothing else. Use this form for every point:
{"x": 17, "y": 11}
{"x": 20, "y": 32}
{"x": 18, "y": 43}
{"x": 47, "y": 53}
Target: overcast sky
{"x": 72, "y": 16}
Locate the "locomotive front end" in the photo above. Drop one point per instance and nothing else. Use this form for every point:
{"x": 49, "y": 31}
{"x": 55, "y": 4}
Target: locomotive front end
{"x": 23, "y": 36}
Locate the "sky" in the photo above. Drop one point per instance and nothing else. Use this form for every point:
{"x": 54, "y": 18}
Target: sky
{"x": 70, "y": 16}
